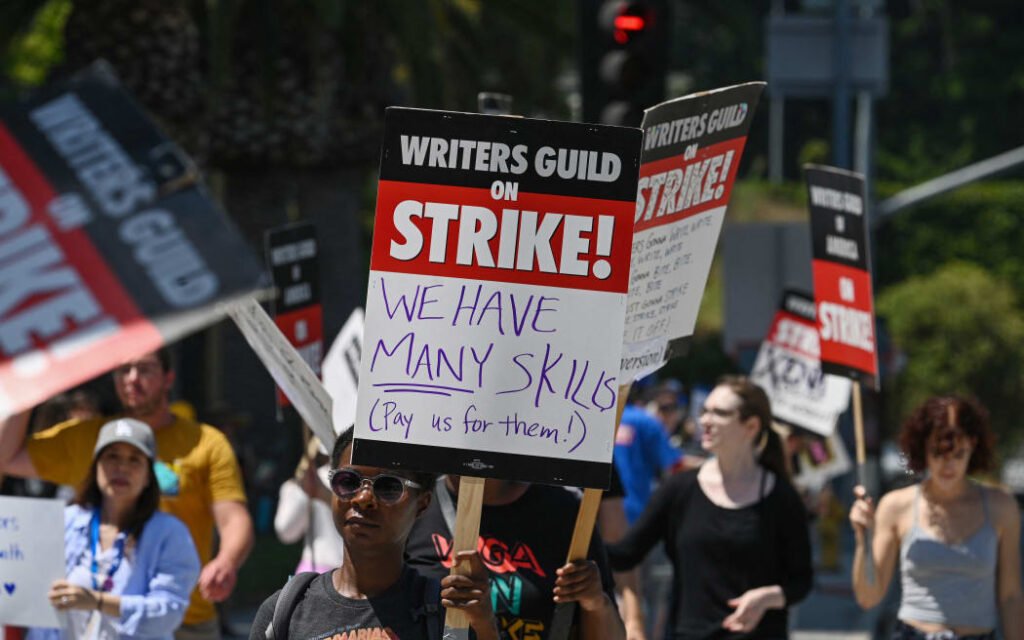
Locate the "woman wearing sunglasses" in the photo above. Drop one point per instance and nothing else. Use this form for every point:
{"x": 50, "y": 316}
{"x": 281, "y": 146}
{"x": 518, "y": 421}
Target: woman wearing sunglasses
{"x": 956, "y": 539}
{"x": 734, "y": 529}
{"x": 130, "y": 568}
{"x": 374, "y": 593}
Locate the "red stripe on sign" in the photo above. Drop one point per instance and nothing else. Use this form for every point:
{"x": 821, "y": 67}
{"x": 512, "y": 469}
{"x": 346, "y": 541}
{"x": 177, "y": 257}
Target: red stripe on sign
{"x": 845, "y": 315}
{"x": 533, "y": 238}
{"x": 676, "y": 188}
{"x": 305, "y": 331}
{"x": 67, "y": 317}
{"x": 795, "y": 334}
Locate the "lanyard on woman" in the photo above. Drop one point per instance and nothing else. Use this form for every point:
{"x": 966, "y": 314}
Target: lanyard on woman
{"x": 94, "y": 539}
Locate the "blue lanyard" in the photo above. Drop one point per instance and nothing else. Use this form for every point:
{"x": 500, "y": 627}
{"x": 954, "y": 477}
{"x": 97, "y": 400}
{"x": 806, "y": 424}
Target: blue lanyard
{"x": 94, "y": 539}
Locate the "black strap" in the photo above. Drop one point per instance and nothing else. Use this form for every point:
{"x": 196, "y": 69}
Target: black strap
{"x": 427, "y": 603}
{"x": 444, "y": 500}
{"x": 294, "y": 590}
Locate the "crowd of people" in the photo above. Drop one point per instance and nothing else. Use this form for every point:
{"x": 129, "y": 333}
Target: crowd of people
{"x": 710, "y": 490}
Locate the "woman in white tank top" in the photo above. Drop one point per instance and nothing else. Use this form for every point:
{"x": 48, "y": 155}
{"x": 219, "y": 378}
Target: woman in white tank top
{"x": 957, "y": 540}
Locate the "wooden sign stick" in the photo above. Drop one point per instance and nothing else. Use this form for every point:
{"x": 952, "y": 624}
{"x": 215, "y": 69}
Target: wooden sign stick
{"x": 586, "y": 519}
{"x": 465, "y": 537}
{"x": 862, "y": 478}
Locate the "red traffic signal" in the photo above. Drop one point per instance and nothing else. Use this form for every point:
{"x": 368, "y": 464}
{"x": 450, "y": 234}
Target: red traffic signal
{"x": 630, "y": 19}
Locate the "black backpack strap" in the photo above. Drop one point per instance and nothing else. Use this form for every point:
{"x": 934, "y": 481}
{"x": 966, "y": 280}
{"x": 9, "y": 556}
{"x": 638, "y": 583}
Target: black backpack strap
{"x": 294, "y": 590}
{"x": 426, "y": 600}
{"x": 444, "y": 501}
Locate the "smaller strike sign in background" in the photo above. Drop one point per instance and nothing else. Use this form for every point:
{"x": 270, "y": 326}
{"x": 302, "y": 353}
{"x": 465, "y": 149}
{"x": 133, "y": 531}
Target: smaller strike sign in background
{"x": 788, "y": 368}
{"x": 497, "y": 296}
{"x": 691, "y": 155}
{"x": 292, "y": 256}
{"x": 842, "y": 274}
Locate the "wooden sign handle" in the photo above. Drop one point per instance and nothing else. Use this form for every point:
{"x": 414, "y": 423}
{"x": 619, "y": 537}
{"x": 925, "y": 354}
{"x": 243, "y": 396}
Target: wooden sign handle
{"x": 862, "y": 476}
{"x": 465, "y": 536}
{"x": 582, "y": 533}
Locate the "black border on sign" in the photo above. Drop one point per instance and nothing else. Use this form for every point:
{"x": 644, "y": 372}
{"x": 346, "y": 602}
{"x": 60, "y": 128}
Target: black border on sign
{"x": 864, "y": 378}
{"x": 484, "y": 464}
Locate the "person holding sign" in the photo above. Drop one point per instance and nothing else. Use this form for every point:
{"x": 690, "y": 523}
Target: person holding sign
{"x": 374, "y": 593}
{"x": 130, "y": 568}
{"x": 525, "y": 530}
{"x": 956, "y": 539}
{"x": 198, "y": 476}
{"x": 734, "y": 529}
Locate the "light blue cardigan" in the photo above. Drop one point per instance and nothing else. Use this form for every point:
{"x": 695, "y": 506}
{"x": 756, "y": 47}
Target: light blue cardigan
{"x": 165, "y": 570}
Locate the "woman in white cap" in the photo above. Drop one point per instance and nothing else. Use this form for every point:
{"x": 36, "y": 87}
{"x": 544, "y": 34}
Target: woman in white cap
{"x": 130, "y": 568}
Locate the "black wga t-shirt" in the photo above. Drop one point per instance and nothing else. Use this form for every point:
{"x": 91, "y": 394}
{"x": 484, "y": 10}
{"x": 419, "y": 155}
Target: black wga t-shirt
{"x": 521, "y": 544}
{"x": 325, "y": 614}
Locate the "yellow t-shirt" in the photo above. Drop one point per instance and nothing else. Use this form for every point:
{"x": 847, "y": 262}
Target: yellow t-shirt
{"x": 195, "y": 465}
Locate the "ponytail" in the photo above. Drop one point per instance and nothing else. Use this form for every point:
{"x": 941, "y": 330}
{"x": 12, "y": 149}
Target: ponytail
{"x": 773, "y": 454}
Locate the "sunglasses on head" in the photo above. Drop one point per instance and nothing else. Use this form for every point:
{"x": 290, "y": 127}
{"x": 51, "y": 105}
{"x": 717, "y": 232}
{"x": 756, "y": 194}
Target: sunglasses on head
{"x": 387, "y": 488}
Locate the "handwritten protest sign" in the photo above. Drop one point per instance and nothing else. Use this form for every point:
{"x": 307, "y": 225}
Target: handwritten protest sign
{"x": 341, "y": 370}
{"x": 788, "y": 368}
{"x": 692, "y": 150}
{"x": 292, "y": 256}
{"x": 31, "y": 558}
{"x": 288, "y": 369}
{"x": 496, "y": 297}
{"x": 109, "y": 247}
{"x": 842, "y": 274}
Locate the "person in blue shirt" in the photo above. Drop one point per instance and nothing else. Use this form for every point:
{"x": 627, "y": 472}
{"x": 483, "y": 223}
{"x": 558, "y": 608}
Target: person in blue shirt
{"x": 643, "y": 455}
{"x": 130, "y": 568}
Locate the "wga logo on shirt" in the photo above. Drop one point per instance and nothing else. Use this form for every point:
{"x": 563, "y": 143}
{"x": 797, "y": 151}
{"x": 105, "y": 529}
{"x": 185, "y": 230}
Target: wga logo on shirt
{"x": 496, "y": 554}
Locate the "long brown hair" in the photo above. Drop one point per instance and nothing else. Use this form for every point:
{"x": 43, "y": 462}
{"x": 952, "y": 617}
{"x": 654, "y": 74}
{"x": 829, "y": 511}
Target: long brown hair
{"x": 90, "y": 497}
{"x": 754, "y": 402}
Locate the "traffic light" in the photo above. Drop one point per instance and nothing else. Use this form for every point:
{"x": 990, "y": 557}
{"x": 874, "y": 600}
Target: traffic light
{"x": 623, "y": 58}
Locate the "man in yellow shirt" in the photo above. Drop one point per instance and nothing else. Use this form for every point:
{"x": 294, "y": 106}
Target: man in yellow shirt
{"x": 199, "y": 477}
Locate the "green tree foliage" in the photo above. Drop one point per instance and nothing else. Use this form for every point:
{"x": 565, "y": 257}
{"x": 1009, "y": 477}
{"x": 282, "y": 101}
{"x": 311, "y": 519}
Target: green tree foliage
{"x": 954, "y": 79}
{"x": 980, "y": 223}
{"x": 962, "y": 332}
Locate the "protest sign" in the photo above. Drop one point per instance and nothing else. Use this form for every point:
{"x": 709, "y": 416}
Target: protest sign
{"x": 844, "y": 303}
{"x": 788, "y": 368}
{"x": 819, "y": 460}
{"x": 31, "y": 558}
{"x": 692, "y": 150}
{"x": 843, "y": 298}
{"x": 341, "y": 370}
{"x": 292, "y": 257}
{"x": 496, "y": 297}
{"x": 109, "y": 246}
{"x": 288, "y": 369}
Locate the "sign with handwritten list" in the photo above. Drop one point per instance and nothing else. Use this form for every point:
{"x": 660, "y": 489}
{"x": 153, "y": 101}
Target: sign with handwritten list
{"x": 31, "y": 558}
{"x": 496, "y": 299}
{"x": 691, "y": 157}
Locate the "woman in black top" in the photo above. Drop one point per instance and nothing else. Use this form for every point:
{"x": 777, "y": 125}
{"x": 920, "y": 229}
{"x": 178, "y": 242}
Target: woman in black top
{"x": 734, "y": 529}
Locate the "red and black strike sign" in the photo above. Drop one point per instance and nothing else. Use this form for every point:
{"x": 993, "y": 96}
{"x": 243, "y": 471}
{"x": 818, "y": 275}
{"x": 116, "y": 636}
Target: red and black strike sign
{"x": 109, "y": 246}
{"x": 292, "y": 256}
{"x": 842, "y": 274}
{"x": 496, "y": 296}
{"x": 515, "y": 203}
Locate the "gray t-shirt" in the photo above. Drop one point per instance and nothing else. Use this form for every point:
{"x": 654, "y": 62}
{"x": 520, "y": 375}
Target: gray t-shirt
{"x": 396, "y": 614}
